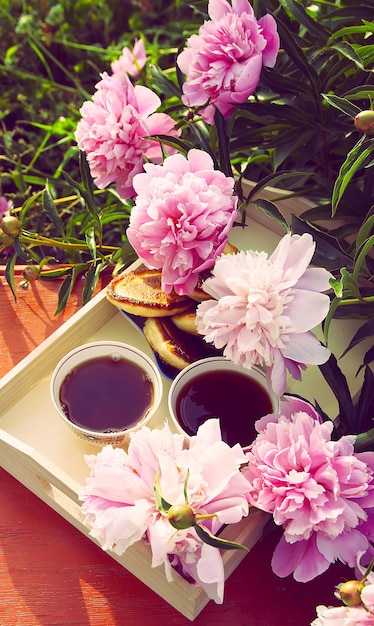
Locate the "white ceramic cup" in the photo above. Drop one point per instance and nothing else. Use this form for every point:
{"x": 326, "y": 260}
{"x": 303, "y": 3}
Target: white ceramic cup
{"x": 220, "y": 372}
{"x": 111, "y": 349}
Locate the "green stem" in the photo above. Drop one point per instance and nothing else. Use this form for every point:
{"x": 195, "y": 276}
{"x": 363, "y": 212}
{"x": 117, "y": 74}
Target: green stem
{"x": 365, "y": 441}
{"x": 64, "y": 245}
{"x": 204, "y": 516}
{"x": 363, "y": 300}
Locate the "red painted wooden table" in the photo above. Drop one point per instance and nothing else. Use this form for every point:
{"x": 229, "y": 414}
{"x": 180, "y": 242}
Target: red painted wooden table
{"x": 50, "y": 574}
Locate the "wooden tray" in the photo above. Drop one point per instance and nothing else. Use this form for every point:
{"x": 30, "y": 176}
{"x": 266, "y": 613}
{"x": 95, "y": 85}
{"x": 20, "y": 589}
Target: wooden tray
{"x": 44, "y": 455}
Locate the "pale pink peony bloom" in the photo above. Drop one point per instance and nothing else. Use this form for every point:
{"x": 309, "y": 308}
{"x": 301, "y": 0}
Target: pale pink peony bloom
{"x": 183, "y": 213}
{"x": 223, "y": 62}
{"x": 367, "y": 597}
{"x": 114, "y": 128}
{"x": 265, "y": 308}
{"x": 120, "y": 508}
{"x": 319, "y": 490}
{"x": 131, "y": 61}
{"x": 5, "y": 206}
{"x": 342, "y": 616}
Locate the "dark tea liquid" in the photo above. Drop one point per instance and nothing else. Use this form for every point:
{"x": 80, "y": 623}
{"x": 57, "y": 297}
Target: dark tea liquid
{"x": 106, "y": 394}
{"x": 237, "y": 400}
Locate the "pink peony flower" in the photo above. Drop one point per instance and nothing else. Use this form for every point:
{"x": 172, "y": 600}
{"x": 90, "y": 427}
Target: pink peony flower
{"x": 265, "y": 307}
{"x": 5, "y": 206}
{"x": 342, "y": 616}
{"x": 130, "y": 62}
{"x": 367, "y": 597}
{"x": 114, "y": 128}
{"x": 183, "y": 213}
{"x": 224, "y": 61}
{"x": 319, "y": 490}
{"x": 120, "y": 507}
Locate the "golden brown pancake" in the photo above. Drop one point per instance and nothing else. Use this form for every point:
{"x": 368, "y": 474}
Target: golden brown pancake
{"x": 139, "y": 292}
{"x": 173, "y": 346}
{"x": 186, "y": 321}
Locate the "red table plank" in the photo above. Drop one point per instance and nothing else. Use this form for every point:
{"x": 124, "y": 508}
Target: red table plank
{"x": 50, "y": 574}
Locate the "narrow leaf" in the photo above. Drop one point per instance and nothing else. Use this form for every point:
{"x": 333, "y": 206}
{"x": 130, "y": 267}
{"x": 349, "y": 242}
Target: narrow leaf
{"x": 328, "y": 319}
{"x": 355, "y": 159}
{"x": 298, "y": 57}
{"x": 273, "y": 179}
{"x": 365, "y": 331}
{"x": 344, "y": 105}
{"x": 64, "y": 294}
{"x": 26, "y": 205}
{"x": 91, "y": 241}
{"x": 90, "y": 281}
{"x": 67, "y": 286}
{"x": 364, "y": 409}
{"x": 272, "y": 210}
{"x": 297, "y": 12}
{"x": 368, "y": 358}
{"x": 223, "y": 143}
{"x": 364, "y": 251}
{"x": 339, "y": 386}
{"x": 50, "y": 209}
{"x": 366, "y": 229}
{"x": 347, "y": 51}
{"x": 161, "y": 504}
{"x": 214, "y": 541}
{"x": 9, "y": 274}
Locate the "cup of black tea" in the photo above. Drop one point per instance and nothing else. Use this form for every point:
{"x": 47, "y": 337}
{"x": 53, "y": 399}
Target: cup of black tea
{"x": 218, "y": 388}
{"x": 105, "y": 390}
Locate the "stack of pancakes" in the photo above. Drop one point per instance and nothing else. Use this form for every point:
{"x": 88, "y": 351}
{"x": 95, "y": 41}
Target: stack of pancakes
{"x": 170, "y": 319}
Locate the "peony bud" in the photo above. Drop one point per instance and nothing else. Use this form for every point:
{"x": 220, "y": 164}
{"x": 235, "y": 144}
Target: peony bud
{"x": 11, "y": 225}
{"x": 350, "y": 592}
{"x": 31, "y": 273}
{"x": 5, "y": 239}
{"x": 364, "y": 121}
{"x": 181, "y": 516}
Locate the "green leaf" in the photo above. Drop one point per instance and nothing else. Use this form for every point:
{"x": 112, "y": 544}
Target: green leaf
{"x": 273, "y": 179}
{"x": 366, "y": 247}
{"x": 26, "y": 205}
{"x": 298, "y": 13}
{"x": 352, "y": 30}
{"x": 272, "y": 210}
{"x": 354, "y": 160}
{"x": 161, "y": 504}
{"x": 360, "y": 93}
{"x": 368, "y": 358}
{"x": 365, "y": 331}
{"x": 90, "y": 281}
{"x": 67, "y": 286}
{"x": 50, "y": 209}
{"x": 342, "y": 104}
{"x": 297, "y": 55}
{"x": 216, "y": 542}
{"x": 347, "y": 51}
{"x": 350, "y": 286}
{"x": 365, "y": 231}
{"x": 91, "y": 241}
{"x": 86, "y": 195}
{"x": 333, "y": 306}
{"x": 223, "y": 143}
{"x": 339, "y": 386}
{"x": 167, "y": 87}
{"x": 9, "y": 274}
{"x": 364, "y": 408}
{"x": 19, "y": 250}
{"x": 173, "y": 142}
{"x": 329, "y": 253}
